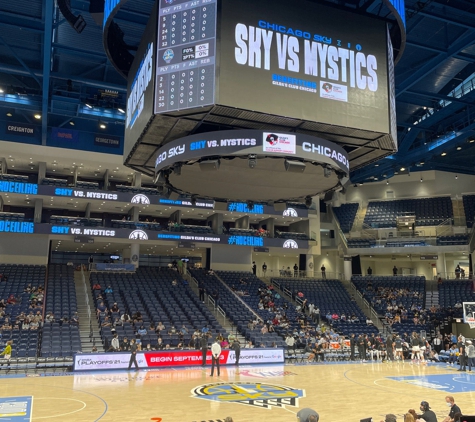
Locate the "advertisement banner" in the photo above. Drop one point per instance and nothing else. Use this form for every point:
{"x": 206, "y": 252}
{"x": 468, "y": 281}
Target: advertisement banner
{"x": 106, "y": 141}
{"x": 160, "y": 359}
{"x": 246, "y": 142}
{"x": 21, "y": 129}
{"x": 59, "y": 135}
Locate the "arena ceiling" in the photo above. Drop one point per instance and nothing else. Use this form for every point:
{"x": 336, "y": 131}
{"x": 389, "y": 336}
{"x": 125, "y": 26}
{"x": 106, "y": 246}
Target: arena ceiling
{"x": 46, "y": 67}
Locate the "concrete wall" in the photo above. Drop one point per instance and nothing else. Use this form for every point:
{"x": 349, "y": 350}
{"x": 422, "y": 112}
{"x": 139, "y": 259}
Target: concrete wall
{"x": 434, "y": 183}
{"x": 23, "y": 249}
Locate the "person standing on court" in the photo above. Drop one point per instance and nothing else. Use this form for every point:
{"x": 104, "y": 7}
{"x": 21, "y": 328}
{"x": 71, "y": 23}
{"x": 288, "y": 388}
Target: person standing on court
{"x": 470, "y": 355}
{"x": 204, "y": 348}
{"x": 236, "y": 346}
{"x": 352, "y": 346}
{"x": 215, "y": 354}
{"x": 133, "y": 354}
{"x": 7, "y": 351}
{"x": 462, "y": 354}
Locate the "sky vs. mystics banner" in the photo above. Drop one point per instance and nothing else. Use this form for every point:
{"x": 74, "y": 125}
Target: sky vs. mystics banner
{"x": 304, "y": 60}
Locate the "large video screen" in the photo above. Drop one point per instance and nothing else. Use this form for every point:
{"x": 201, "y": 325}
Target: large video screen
{"x": 306, "y": 61}
{"x": 140, "y": 86}
{"x": 186, "y": 53}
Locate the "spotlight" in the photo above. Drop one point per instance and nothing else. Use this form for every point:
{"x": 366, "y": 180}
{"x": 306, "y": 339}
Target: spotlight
{"x": 459, "y": 148}
{"x": 443, "y": 154}
{"x": 88, "y": 105}
{"x": 71, "y": 123}
{"x": 402, "y": 169}
{"x": 37, "y": 116}
{"x": 9, "y": 114}
{"x": 294, "y": 166}
{"x": 387, "y": 182}
{"x": 121, "y": 110}
{"x": 252, "y": 161}
{"x": 327, "y": 172}
{"x": 102, "y": 125}
{"x": 456, "y": 177}
{"x": 421, "y": 179}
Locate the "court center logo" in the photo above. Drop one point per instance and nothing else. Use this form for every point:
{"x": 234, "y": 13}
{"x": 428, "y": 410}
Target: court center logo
{"x": 138, "y": 235}
{"x": 265, "y": 396}
{"x": 290, "y": 244}
{"x": 140, "y": 199}
{"x": 290, "y": 212}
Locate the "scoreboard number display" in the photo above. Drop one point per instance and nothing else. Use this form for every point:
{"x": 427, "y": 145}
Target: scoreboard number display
{"x": 186, "y": 54}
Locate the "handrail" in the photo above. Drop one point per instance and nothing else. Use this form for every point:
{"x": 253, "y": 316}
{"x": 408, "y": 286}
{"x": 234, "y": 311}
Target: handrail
{"x": 87, "y": 303}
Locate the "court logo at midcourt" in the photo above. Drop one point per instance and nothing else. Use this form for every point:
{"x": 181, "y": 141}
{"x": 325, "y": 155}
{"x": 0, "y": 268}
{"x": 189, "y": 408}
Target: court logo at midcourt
{"x": 253, "y": 394}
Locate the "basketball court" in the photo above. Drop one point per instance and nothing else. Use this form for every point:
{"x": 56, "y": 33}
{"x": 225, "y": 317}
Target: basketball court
{"x": 338, "y": 392}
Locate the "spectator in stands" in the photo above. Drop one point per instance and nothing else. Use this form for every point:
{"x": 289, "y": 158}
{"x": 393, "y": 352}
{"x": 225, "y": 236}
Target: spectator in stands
{"x": 249, "y": 345}
{"x": 160, "y": 327}
{"x": 369, "y": 271}
{"x": 108, "y": 290}
{"x": 254, "y": 268}
{"x": 160, "y": 345}
{"x": 296, "y": 270}
{"x": 137, "y": 317}
{"x": 202, "y": 293}
{"x": 125, "y": 345}
{"x": 457, "y": 271}
{"x": 50, "y": 317}
{"x": 96, "y": 286}
{"x": 101, "y": 308}
{"x": 324, "y": 271}
{"x": 264, "y": 269}
{"x": 427, "y": 414}
{"x": 115, "y": 344}
{"x": 394, "y": 271}
{"x": 115, "y": 308}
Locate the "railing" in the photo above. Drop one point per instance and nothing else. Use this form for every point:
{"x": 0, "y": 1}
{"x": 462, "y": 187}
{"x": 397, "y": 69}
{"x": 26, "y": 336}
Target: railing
{"x": 302, "y": 274}
{"x": 471, "y": 240}
{"x": 363, "y": 303}
{"x": 86, "y": 296}
{"x": 444, "y": 227}
{"x": 339, "y": 230}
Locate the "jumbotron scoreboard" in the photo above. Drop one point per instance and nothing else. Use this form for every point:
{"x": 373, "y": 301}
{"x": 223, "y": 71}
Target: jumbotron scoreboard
{"x": 186, "y": 53}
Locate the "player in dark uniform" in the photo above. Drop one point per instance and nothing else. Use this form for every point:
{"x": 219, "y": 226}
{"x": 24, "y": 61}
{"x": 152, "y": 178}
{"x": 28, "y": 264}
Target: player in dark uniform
{"x": 398, "y": 348}
{"x": 389, "y": 348}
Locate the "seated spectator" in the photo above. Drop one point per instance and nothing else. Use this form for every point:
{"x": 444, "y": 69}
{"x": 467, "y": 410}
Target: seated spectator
{"x": 108, "y": 290}
{"x": 142, "y": 331}
{"x": 115, "y": 308}
{"x": 101, "y": 308}
{"x": 160, "y": 327}
{"x": 125, "y": 345}
{"x": 12, "y": 300}
{"x": 125, "y": 317}
{"x": 172, "y": 330}
{"x": 74, "y": 319}
{"x": 137, "y": 317}
{"x": 106, "y": 322}
{"x": 96, "y": 286}
{"x": 50, "y": 317}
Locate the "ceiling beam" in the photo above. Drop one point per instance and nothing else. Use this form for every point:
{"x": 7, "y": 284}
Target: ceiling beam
{"x": 466, "y": 39}
{"x": 48, "y": 11}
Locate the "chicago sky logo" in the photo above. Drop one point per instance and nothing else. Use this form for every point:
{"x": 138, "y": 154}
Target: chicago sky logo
{"x": 290, "y": 244}
{"x": 138, "y": 235}
{"x": 140, "y": 199}
{"x": 254, "y": 394}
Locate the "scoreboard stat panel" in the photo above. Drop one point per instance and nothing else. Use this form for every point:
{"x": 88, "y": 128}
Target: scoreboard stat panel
{"x": 186, "y": 54}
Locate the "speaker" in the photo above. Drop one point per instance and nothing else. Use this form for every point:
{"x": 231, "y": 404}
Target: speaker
{"x": 209, "y": 165}
{"x": 294, "y": 166}
{"x": 280, "y": 206}
{"x": 174, "y": 196}
{"x": 328, "y": 197}
{"x": 220, "y": 206}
